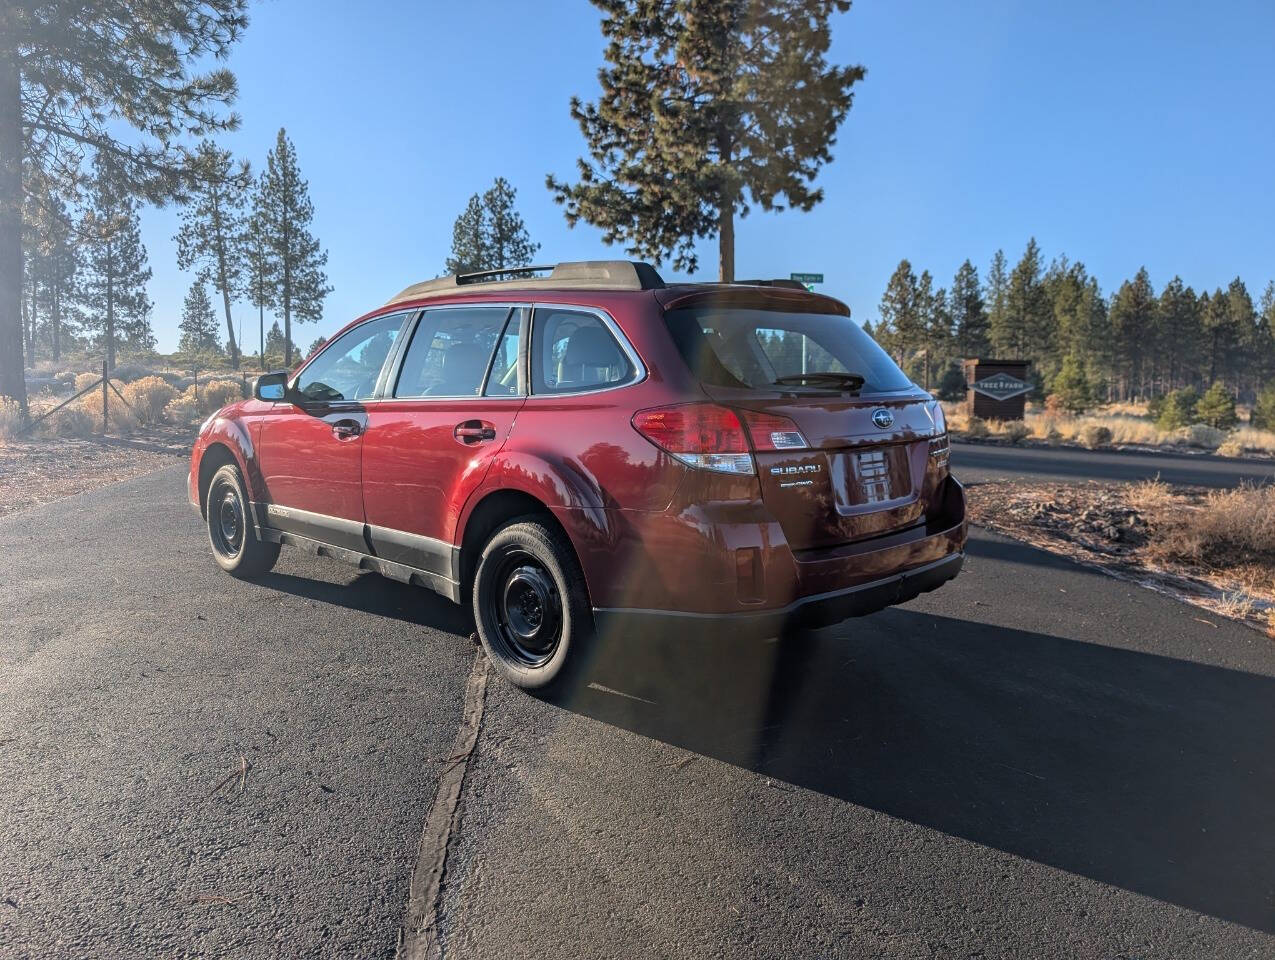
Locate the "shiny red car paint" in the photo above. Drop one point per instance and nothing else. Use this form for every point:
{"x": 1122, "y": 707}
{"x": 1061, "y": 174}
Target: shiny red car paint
{"x": 407, "y": 494}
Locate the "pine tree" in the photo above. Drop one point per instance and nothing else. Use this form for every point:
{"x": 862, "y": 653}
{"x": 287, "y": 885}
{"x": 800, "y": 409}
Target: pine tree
{"x": 996, "y": 299}
{"x": 707, "y": 106}
{"x": 213, "y": 223}
{"x": 1220, "y": 337}
{"x": 902, "y": 325}
{"x": 278, "y": 346}
{"x": 1071, "y": 386}
{"x": 1242, "y": 364}
{"x": 1133, "y": 324}
{"x": 1217, "y": 408}
{"x": 508, "y": 243}
{"x": 73, "y": 79}
{"x": 114, "y": 293}
{"x": 969, "y": 313}
{"x": 198, "y": 324}
{"x": 490, "y": 233}
{"x": 1023, "y": 327}
{"x": 294, "y": 259}
{"x": 469, "y": 244}
{"x": 1181, "y": 333}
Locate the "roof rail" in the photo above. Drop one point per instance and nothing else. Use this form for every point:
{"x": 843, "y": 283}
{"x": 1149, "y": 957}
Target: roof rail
{"x": 571, "y": 275}
{"x": 786, "y": 284}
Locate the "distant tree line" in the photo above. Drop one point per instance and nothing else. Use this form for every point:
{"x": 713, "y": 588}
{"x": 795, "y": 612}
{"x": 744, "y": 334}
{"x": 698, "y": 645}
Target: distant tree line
{"x": 1084, "y": 346}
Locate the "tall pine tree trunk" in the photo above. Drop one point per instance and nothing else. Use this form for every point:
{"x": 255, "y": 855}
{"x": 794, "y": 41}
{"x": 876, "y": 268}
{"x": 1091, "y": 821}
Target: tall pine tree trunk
{"x": 57, "y": 323}
{"x": 234, "y": 346}
{"x": 726, "y": 244}
{"x": 225, "y": 286}
{"x": 110, "y": 310}
{"x": 12, "y": 380}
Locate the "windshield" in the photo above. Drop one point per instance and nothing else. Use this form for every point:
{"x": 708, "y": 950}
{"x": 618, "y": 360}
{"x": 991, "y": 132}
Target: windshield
{"x": 767, "y": 349}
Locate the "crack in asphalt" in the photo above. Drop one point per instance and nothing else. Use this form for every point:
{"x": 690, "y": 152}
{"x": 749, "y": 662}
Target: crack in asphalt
{"x": 418, "y": 936}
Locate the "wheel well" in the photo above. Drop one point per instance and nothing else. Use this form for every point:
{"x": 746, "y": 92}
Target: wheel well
{"x": 493, "y": 511}
{"x": 215, "y": 457}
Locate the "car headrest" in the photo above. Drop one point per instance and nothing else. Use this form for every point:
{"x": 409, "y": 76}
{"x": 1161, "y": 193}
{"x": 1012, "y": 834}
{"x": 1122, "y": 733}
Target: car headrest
{"x": 591, "y": 347}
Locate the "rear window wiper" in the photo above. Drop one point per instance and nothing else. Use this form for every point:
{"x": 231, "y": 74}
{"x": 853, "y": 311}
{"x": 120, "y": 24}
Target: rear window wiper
{"x": 850, "y": 382}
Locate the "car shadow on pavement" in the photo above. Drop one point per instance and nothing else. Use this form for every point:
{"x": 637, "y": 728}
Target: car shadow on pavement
{"x": 1150, "y": 773}
{"x": 372, "y": 593}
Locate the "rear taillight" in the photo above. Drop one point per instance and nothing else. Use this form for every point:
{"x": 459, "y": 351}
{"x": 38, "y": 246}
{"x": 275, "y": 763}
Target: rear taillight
{"x": 715, "y": 438}
{"x": 698, "y": 434}
{"x": 769, "y": 432}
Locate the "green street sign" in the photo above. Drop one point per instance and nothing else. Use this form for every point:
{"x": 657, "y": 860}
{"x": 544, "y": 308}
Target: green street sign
{"x": 806, "y": 277}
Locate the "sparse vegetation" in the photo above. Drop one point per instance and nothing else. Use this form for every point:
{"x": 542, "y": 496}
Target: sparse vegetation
{"x": 148, "y": 398}
{"x": 1094, "y": 435}
{"x": 10, "y": 418}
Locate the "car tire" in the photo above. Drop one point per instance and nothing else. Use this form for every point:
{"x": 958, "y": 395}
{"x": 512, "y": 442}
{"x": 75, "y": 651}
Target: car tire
{"x": 531, "y": 605}
{"x": 231, "y": 533}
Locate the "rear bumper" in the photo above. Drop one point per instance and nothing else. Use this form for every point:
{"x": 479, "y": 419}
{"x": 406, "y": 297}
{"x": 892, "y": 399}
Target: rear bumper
{"x": 814, "y": 611}
{"x": 696, "y": 584}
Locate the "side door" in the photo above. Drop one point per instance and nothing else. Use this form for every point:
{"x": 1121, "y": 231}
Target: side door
{"x": 310, "y": 446}
{"x": 455, "y": 394}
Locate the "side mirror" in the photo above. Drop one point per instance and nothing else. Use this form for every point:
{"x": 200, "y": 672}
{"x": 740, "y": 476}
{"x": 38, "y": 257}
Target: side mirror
{"x": 271, "y": 387}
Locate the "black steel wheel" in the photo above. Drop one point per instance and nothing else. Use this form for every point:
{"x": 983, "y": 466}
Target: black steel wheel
{"x": 234, "y": 541}
{"x": 530, "y": 602}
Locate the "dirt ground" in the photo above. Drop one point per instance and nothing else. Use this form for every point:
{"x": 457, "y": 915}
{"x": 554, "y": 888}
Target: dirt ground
{"x": 45, "y": 469}
{"x": 1187, "y": 542}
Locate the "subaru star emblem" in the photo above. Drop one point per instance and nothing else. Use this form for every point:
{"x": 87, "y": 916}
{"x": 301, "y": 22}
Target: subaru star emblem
{"x": 883, "y": 418}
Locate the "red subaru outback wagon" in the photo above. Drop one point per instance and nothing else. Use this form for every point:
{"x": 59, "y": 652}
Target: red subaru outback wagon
{"x": 594, "y": 448}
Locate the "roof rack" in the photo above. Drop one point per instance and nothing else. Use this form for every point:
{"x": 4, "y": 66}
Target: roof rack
{"x": 571, "y": 275}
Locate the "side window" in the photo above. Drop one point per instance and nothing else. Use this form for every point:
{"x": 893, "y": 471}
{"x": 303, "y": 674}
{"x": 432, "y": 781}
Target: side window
{"x": 503, "y": 380}
{"x": 347, "y": 369}
{"x": 449, "y": 352}
{"x": 573, "y": 351}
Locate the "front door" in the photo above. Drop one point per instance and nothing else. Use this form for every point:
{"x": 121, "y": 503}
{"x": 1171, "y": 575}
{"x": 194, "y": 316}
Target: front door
{"x": 310, "y": 449}
{"x": 431, "y": 440}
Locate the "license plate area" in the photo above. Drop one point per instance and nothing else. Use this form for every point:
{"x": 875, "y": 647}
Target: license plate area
{"x": 872, "y": 478}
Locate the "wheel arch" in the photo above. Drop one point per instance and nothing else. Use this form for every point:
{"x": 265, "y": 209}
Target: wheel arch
{"x": 491, "y": 510}
{"x": 215, "y": 456}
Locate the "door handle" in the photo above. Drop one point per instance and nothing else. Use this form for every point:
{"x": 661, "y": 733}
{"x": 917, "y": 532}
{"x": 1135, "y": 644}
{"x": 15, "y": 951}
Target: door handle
{"x": 346, "y": 429}
{"x": 474, "y": 431}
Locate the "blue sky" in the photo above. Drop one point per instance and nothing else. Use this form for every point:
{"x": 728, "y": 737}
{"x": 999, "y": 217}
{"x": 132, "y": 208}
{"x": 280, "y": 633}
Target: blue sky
{"x": 1121, "y": 134}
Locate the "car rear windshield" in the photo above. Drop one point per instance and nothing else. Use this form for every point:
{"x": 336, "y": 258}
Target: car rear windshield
{"x": 729, "y": 346}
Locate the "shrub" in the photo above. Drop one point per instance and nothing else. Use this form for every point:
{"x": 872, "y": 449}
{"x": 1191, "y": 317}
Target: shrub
{"x": 1095, "y": 435}
{"x": 1217, "y": 408}
{"x": 1177, "y": 409}
{"x": 952, "y": 384}
{"x": 977, "y": 427}
{"x": 1155, "y": 404}
{"x": 215, "y": 394}
{"x": 148, "y": 397}
{"x": 1263, "y": 417}
{"x": 1202, "y": 436}
{"x": 1232, "y": 446}
{"x": 1016, "y": 431}
{"x": 1054, "y": 405}
{"x": 10, "y": 418}
{"x": 182, "y": 410}
{"x": 122, "y": 420}
{"x": 82, "y": 380}
{"x": 73, "y": 421}
{"x": 65, "y": 377}
{"x": 128, "y": 372}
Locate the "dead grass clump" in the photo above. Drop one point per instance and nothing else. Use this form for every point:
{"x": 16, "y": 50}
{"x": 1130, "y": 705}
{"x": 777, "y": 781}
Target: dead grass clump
{"x": 148, "y": 396}
{"x": 1232, "y": 528}
{"x": 1202, "y": 436}
{"x": 10, "y": 419}
{"x": 1094, "y": 435}
{"x": 1250, "y": 438}
{"x": 977, "y": 427}
{"x": 1151, "y": 496}
{"x": 72, "y": 421}
{"x": 1016, "y": 431}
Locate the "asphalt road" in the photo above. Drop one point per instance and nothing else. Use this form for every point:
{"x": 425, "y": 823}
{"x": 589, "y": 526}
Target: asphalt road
{"x": 1035, "y": 760}
{"x": 978, "y": 462}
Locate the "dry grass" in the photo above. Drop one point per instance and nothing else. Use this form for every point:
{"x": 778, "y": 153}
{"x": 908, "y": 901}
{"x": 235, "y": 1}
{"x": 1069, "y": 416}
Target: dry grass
{"x": 1230, "y": 529}
{"x": 10, "y": 419}
{"x": 1124, "y": 424}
